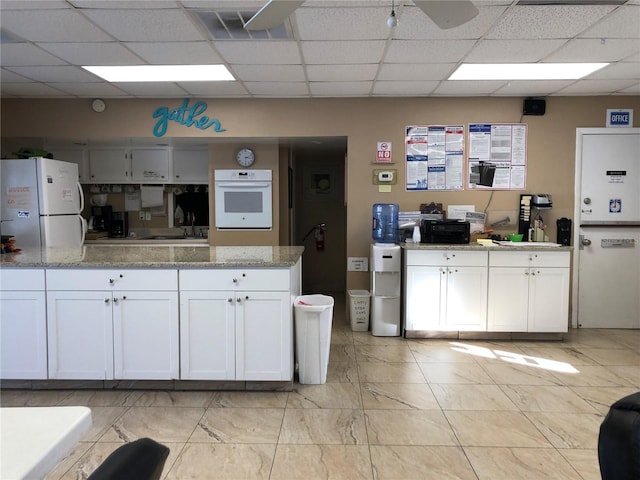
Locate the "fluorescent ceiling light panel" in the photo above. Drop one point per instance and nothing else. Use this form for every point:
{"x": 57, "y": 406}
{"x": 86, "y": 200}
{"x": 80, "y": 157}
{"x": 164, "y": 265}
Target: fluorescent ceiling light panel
{"x": 524, "y": 71}
{"x": 162, "y": 73}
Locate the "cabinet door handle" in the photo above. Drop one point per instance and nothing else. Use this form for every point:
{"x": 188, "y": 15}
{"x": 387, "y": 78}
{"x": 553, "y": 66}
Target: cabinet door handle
{"x": 246, "y": 297}
{"x": 239, "y": 299}
{"x": 124, "y": 297}
{"x": 115, "y": 301}
{"x": 526, "y": 273}
{"x": 230, "y": 300}
{"x": 106, "y": 301}
{"x": 111, "y": 280}
{"x": 235, "y": 280}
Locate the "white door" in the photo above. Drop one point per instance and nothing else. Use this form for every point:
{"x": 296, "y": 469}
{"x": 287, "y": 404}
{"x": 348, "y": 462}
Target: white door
{"x": 609, "y": 288}
{"x": 59, "y": 190}
{"x": 466, "y": 298}
{"x": 62, "y": 230}
{"x": 606, "y": 262}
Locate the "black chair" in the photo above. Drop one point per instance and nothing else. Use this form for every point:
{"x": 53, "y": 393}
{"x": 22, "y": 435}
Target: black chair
{"x": 141, "y": 459}
{"x": 619, "y": 440}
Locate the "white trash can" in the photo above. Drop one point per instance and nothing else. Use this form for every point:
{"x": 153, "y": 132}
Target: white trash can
{"x": 359, "y": 306}
{"x": 313, "y": 315}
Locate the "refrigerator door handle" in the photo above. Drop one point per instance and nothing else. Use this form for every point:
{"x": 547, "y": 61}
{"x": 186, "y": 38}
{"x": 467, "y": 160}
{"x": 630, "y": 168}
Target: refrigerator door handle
{"x": 81, "y": 197}
{"x": 83, "y": 222}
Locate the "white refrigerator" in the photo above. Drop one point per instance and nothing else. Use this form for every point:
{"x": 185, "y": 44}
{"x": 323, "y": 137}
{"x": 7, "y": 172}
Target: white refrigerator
{"x": 607, "y": 241}
{"x": 41, "y": 203}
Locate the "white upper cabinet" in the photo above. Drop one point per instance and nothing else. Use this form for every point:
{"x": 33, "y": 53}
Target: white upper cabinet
{"x": 191, "y": 165}
{"x": 150, "y": 165}
{"x": 74, "y": 155}
{"x": 111, "y": 165}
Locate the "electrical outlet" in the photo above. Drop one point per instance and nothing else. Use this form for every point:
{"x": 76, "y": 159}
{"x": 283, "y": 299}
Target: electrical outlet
{"x": 147, "y": 215}
{"x": 141, "y": 216}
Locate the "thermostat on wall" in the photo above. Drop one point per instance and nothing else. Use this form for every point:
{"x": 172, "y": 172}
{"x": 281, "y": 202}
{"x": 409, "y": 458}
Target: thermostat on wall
{"x": 384, "y": 176}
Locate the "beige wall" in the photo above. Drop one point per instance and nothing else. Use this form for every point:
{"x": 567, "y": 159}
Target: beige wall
{"x": 551, "y": 139}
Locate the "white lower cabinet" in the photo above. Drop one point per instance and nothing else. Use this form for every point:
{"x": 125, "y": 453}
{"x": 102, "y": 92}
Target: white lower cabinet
{"x": 528, "y": 291}
{"x": 23, "y": 324}
{"x": 236, "y": 324}
{"x": 446, "y": 290}
{"x": 112, "y": 324}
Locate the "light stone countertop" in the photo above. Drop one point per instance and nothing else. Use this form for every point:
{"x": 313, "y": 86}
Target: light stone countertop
{"x": 512, "y": 246}
{"x": 154, "y": 256}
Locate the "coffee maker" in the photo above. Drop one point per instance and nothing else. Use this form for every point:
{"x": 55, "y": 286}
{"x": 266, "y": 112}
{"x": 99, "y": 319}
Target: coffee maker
{"x": 119, "y": 225}
{"x": 101, "y": 218}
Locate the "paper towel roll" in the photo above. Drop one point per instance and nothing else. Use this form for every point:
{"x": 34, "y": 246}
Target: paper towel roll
{"x": 151, "y": 196}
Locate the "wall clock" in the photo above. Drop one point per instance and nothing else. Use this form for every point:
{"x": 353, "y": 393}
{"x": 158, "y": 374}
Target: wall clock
{"x": 245, "y": 157}
{"x": 98, "y": 105}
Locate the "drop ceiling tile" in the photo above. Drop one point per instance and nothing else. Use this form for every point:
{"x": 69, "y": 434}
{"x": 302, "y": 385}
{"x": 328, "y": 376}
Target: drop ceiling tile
{"x": 593, "y": 50}
{"x": 340, "y": 89}
{"x": 428, "y": 51}
{"x": 341, "y": 73}
{"x": 277, "y": 89}
{"x": 56, "y": 74}
{"x": 146, "y": 25}
{"x": 547, "y": 21}
{"x": 465, "y": 88}
{"x": 342, "y": 23}
{"x": 416, "y": 71}
{"x": 413, "y": 24}
{"x": 272, "y": 52}
{"x": 175, "y": 53}
{"x": 347, "y": 52}
{"x": 632, "y": 90}
{"x": 620, "y": 70}
{"x": 526, "y": 88}
{"x": 91, "y": 90}
{"x": 123, "y": 4}
{"x": 405, "y": 88}
{"x": 30, "y": 89}
{"x": 110, "y": 53}
{"x": 11, "y": 77}
{"x": 268, "y": 73}
{"x": 595, "y": 87}
{"x": 151, "y": 89}
{"x": 215, "y": 89}
{"x": 52, "y": 26}
{"x": 633, "y": 58}
{"x": 622, "y": 23}
{"x": 504, "y": 51}
{"x": 14, "y": 54}
{"x": 33, "y": 5}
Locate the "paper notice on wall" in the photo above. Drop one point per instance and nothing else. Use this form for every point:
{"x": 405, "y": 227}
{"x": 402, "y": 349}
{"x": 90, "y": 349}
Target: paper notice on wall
{"x": 132, "y": 200}
{"x": 151, "y": 196}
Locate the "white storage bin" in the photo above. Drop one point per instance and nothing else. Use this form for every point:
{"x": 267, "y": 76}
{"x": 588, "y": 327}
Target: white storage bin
{"x": 359, "y": 306}
{"x": 386, "y": 316}
{"x": 313, "y": 315}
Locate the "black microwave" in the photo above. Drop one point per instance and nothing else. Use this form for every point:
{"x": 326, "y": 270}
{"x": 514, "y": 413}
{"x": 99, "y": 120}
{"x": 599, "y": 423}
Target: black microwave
{"x": 445, "y": 231}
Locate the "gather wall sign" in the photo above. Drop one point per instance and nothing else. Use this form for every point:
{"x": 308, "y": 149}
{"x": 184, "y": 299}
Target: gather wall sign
{"x": 187, "y": 115}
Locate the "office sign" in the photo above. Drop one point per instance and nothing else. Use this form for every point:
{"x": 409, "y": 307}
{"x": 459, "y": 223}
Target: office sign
{"x": 620, "y": 118}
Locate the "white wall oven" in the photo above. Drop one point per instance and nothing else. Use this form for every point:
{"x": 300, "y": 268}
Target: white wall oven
{"x": 243, "y": 199}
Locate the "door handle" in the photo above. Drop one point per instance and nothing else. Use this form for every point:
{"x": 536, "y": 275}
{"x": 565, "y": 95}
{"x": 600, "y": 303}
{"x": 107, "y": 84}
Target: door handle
{"x": 586, "y": 242}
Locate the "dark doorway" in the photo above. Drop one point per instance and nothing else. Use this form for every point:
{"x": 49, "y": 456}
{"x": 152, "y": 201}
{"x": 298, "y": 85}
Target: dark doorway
{"x": 319, "y": 198}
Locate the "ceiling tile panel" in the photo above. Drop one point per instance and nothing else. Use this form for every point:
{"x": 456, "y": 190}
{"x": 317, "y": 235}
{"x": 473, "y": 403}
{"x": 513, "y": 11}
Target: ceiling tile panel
{"x": 91, "y": 89}
{"x": 428, "y": 51}
{"x": 624, "y": 22}
{"x": 503, "y": 51}
{"x": 33, "y": 4}
{"x": 413, "y": 24}
{"x": 547, "y": 21}
{"x": 175, "y": 53}
{"x": 354, "y": 52}
{"x": 277, "y": 89}
{"x": 151, "y": 89}
{"x": 217, "y": 89}
{"x": 404, "y": 88}
{"x": 593, "y": 50}
{"x": 415, "y": 71}
{"x": 30, "y": 90}
{"x": 341, "y": 73}
{"x": 340, "y": 89}
{"x": 7, "y": 76}
{"x": 146, "y": 25}
{"x": 14, "y": 54}
{"x": 269, "y": 73}
{"x": 56, "y": 74}
{"x": 342, "y": 23}
{"x": 464, "y": 88}
{"x": 517, "y": 88}
{"x": 124, "y": 4}
{"x": 111, "y": 53}
{"x": 52, "y": 26}
{"x": 594, "y": 87}
{"x": 632, "y": 90}
{"x": 618, "y": 71}
{"x": 272, "y": 52}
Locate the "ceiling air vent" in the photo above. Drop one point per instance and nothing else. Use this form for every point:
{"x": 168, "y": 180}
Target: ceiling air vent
{"x": 230, "y": 26}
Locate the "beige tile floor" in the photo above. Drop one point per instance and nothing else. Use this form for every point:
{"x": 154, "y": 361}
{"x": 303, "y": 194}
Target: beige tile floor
{"x": 392, "y": 408}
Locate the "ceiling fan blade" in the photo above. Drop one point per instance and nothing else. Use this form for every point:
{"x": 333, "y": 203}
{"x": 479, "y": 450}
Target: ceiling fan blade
{"x": 272, "y": 14}
{"x": 448, "y": 13}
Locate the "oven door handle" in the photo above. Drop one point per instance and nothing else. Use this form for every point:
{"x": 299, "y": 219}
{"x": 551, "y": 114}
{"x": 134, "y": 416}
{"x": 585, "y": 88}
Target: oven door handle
{"x": 242, "y": 184}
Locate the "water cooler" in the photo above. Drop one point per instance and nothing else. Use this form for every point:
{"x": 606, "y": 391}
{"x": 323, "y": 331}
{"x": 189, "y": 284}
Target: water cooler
{"x": 385, "y": 264}
{"x": 385, "y": 289}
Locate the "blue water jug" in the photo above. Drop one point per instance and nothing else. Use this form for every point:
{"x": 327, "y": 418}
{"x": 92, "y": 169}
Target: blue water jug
{"x": 385, "y": 222}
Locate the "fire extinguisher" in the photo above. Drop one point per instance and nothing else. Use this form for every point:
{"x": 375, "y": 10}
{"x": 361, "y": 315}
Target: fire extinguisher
{"x": 318, "y": 234}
